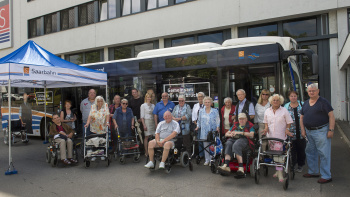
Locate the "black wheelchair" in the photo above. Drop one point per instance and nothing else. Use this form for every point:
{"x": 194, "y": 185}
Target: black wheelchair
{"x": 18, "y": 132}
{"x": 178, "y": 154}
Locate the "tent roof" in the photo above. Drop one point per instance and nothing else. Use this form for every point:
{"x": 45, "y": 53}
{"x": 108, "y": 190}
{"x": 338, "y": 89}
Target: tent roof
{"x": 42, "y": 66}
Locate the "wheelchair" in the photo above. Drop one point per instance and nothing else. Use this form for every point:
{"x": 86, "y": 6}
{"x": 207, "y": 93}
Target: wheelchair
{"x": 53, "y": 154}
{"x": 274, "y": 158}
{"x": 18, "y": 131}
{"x": 177, "y": 154}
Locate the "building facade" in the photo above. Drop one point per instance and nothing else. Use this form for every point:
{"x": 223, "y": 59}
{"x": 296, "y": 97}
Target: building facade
{"x": 86, "y": 31}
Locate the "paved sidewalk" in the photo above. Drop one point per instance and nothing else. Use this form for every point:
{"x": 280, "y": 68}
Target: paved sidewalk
{"x": 344, "y": 129}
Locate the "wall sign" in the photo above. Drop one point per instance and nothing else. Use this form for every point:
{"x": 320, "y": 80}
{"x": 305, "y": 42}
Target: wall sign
{"x": 5, "y": 24}
{"x": 190, "y": 90}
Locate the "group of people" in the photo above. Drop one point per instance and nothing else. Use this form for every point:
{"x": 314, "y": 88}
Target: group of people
{"x": 313, "y": 120}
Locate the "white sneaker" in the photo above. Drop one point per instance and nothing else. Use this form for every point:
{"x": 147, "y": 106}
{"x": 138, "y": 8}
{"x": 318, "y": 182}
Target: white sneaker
{"x": 150, "y": 164}
{"x": 206, "y": 163}
{"x": 103, "y": 158}
{"x": 161, "y": 165}
{"x": 93, "y": 159}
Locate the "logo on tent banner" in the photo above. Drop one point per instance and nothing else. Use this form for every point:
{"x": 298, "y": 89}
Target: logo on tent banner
{"x": 26, "y": 71}
{"x": 42, "y": 72}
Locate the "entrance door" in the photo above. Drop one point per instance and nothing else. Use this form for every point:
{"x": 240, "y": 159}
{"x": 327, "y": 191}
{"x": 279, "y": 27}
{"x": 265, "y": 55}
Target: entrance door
{"x": 252, "y": 79}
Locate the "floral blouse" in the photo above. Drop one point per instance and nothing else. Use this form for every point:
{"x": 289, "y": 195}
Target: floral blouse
{"x": 98, "y": 119}
{"x": 208, "y": 122}
{"x": 291, "y": 111}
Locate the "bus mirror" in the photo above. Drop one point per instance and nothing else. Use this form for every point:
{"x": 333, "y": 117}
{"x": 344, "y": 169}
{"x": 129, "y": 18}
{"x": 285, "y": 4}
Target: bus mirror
{"x": 311, "y": 55}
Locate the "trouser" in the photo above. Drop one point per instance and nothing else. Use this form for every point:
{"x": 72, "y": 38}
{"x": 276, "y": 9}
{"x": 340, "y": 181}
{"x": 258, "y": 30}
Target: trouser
{"x": 319, "y": 147}
{"x": 298, "y": 152}
{"x": 62, "y": 144}
{"x": 235, "y": 146}
{"x": 187, "y": 143}
{"x": 264, "y": 143}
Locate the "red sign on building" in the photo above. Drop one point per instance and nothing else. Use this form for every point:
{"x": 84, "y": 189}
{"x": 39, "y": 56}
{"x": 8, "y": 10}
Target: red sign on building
{"x": 5, "y": 24}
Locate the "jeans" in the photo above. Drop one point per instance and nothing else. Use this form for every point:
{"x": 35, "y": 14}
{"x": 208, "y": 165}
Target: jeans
{"x": 319, "y": 146}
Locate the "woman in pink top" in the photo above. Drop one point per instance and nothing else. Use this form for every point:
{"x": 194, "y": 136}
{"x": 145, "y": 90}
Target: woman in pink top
{"x": 277, "y": 122}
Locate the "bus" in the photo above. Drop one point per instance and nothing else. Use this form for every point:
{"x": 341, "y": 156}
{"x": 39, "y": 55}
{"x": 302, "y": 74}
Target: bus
{"x": 252, "y": 64}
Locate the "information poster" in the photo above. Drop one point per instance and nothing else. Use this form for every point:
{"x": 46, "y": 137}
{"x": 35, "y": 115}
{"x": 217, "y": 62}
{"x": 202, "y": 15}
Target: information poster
{"x": 40, "y": 97}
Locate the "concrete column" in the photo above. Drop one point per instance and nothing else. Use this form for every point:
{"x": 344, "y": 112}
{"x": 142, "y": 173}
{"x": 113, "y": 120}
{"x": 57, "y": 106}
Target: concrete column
{"x": 234, "y": 32}
{"x": 105, "y": 54}
{"x": 161, "y": 43}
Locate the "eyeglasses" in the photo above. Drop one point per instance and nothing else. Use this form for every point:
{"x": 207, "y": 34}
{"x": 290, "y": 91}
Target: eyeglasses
{"x": 181, "y": 101}
{"x": 265, "y": 94}
{"x": 125, "y": 103}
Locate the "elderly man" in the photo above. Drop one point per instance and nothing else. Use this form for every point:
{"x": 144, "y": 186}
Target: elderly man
{"x": 238, "y": 138}
{"x": 165, "y": 132}
{"x": 161, "y": 107}
{"x": 85, "y": 107}
{"x": 317, "y": 123}
{"x": 62, "y": 134}
{"x": 244, "y": 106}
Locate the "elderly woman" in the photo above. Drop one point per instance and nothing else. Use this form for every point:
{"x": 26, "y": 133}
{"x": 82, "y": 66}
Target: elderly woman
{"x": 182, "y": 114}
{"x": 208, "y": 120}
{"x": 123, "y": 119}
{"x": 98, "y": 117}
{"x": 238, "y": 138}
{"x": 277, "y": 123}
{"x": 227, "y": 113}
{"x": 147, "y": 119}
{"x": 196, "y": 108}
{"x": 298, "y": 142}
{"x": 260, "y": 108}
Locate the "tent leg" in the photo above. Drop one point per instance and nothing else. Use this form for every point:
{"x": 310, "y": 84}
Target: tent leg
{"x": 11, "y": 169}
{"x": 45, "y": 141}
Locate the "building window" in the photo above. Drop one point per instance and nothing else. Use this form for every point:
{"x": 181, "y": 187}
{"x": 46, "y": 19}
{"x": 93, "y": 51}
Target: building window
{"x": 143, "y": 47}
{"x": 103, "y": 10}
{"x": 108, "y": 9}
{"x": 216, "y": 37}
{"x": 182, "y": 41}
{"x": 156, "y": 4}
{"x": 50, "y": 23}
{"x": 180, "y": 1}
{"x": 349, "y": 20}
{"x": 300, "y": 29}
{"x": 265, "y": 30}
{"x": 86, "y": 14}
{"x": 86, "y": 57}
{"x": 131, "y": 6}
{"x": 35, "y": 27}
{"x": 123, "y": 52}
{"x": 67, "y": 19}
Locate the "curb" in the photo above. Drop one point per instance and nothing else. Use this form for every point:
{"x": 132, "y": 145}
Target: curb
{"x": 345, "y": 138}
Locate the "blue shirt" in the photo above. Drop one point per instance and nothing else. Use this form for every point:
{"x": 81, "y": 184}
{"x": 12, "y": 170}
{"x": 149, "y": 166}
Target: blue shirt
{"x": 241, "y": 105}
{"x": 160, "y": 109}
{"x": 316, "y": 115}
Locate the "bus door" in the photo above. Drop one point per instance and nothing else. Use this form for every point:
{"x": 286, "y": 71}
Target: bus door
{"x": 253, "y": 79}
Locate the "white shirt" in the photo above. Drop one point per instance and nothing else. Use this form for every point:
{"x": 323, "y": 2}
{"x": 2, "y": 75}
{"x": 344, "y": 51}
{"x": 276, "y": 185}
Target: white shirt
{"x": 260, "y": 111}
{"x": 195, "y": 109}
{"x": 147, "y": 111}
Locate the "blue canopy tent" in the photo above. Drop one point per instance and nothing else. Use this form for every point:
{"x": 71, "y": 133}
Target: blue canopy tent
{"x": 33, "y": 66}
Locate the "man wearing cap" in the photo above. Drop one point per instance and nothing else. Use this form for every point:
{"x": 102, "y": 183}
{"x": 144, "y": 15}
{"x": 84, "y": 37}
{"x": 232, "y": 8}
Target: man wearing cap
{"x": 238, "y": 138}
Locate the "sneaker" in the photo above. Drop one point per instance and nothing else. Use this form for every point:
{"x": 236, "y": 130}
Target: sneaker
{"x": 150, "y": 164}
{"x": 224, "y": 168}
{"x": 240, "y": 171}
{"x": 93, "y": 159}
{"x": 206, "y": 163}
{"x": 161, "y": 165}
{"x": 103, "y": 158}
{"x": 299, "y": 169}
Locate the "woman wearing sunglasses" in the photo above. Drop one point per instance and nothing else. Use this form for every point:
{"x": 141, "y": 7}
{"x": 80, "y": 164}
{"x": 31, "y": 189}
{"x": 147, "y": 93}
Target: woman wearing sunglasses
{"x": 260, "y": 108}
{"x": 123, "y": 120}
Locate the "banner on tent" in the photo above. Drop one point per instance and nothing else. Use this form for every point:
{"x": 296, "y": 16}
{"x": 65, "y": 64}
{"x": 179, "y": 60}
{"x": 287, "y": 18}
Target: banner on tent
{"x": 5, "y": 24}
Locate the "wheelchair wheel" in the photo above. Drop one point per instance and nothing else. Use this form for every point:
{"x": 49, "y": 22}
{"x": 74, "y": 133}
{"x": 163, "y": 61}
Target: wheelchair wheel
{"x": 286, "y": 181}
{"x": 87, "y": 164}
{"x": 265, "y": 170}
{"x": 184, "y": 159}
{"x": 48, "y": 155}
{"x": 167, "y": 169}
{"x": 213, "y": 167}
{"x": 75, "y": 154}
{"x": 198, "y": 160}
{"x": 253, "y": 167}
{"x": 54, "y": 161}
{"x": 136, "y": 158}
{"x": 257, "y": 176}
{"x": 122, "y": 160}
{"x": 190, "y": 166}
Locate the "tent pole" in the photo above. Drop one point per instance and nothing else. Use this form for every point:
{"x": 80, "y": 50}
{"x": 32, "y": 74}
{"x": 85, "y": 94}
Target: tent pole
{"x": 11, "y": 169}
{"x": 107, "y": 94}
{"x": 45, "y": 141}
